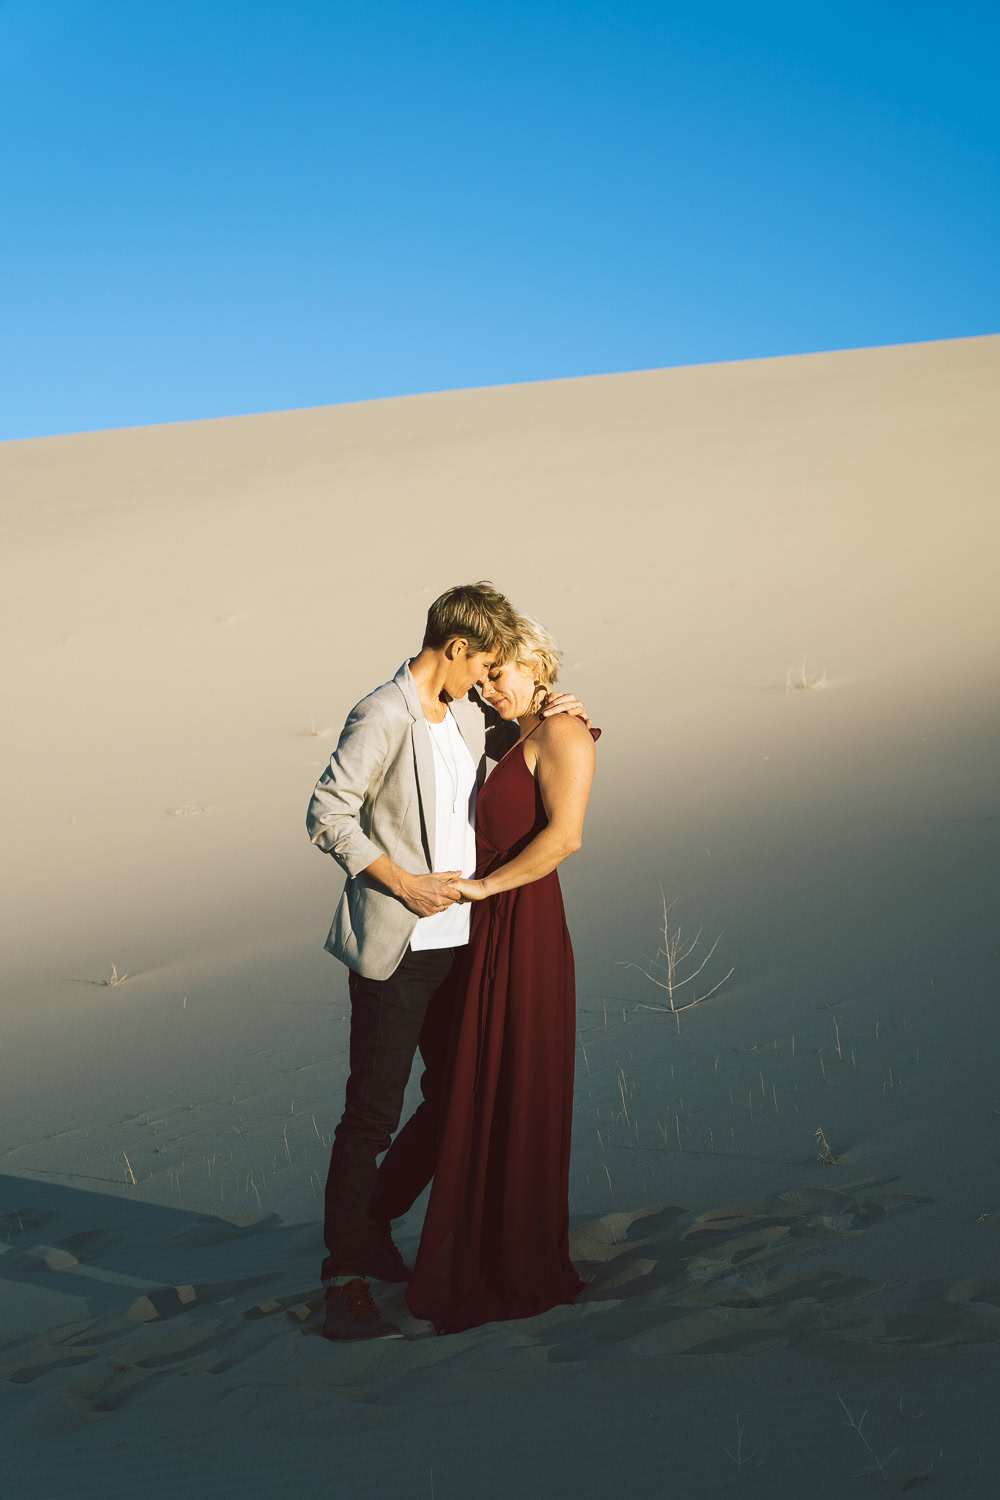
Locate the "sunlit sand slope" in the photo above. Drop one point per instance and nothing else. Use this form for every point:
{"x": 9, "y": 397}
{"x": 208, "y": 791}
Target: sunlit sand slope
{"x": 775, "y": 583}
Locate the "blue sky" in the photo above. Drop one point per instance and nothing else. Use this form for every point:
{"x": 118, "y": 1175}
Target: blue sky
{"x": 212, "y": 208}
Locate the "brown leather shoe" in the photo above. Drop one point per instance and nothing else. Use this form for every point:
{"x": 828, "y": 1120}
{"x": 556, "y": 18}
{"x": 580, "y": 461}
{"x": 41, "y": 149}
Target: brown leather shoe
{"x": 351, "y": 1314}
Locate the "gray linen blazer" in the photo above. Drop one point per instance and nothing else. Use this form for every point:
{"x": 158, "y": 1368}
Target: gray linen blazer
{"x": 377, "y": 797}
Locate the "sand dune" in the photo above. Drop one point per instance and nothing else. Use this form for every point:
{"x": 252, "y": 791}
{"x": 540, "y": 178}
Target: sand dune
{"x": 775, "y": 585}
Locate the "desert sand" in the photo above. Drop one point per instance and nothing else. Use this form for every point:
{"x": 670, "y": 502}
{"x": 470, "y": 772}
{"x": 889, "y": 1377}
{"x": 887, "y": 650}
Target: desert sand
{"x": 775, "y": 584}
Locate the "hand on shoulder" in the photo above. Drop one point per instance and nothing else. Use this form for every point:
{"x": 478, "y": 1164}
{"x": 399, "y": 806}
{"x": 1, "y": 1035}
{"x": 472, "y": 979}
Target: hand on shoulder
{"x": 563, "y": 729}
{"x": 563, "y": 741}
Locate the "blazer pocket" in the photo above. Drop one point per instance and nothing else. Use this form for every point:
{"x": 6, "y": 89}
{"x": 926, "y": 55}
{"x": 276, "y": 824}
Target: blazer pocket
{"x": 354, "y": 895}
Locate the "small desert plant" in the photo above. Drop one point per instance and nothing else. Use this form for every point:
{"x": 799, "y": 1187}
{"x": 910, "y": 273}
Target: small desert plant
{"x": 740, "y": 1458}
{"x": 669, "y": 960}
{"x": 188, "y": 810}
{"x": 804, "y": 678}
{"x": 313, "y": 732}
{"x": 116, "y": 978}
{"x": 880, "y": 1463}
{"x": 826, "y": 1156}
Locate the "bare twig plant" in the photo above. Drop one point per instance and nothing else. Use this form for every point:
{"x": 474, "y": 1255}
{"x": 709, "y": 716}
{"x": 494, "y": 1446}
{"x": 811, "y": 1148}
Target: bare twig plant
{"x": 857, "y": 1426}
{"x": 116, "y": 978}
{"x": 669, "y": 961}
{"x": 313, "y": 732}
{"x": 826, "y": 1156}
{"x": 188, "y": 810}
{"x": 740, "y": 1458}
{"x": 804, "y": 678}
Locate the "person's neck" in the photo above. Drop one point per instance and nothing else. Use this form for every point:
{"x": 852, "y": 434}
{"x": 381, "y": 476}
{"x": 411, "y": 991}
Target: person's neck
{"x": 428, "y": 670}
{"x": 528, "y": 723}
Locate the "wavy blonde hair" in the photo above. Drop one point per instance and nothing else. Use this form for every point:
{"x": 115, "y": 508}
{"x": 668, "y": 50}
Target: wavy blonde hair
{"x": 537, "y": 650}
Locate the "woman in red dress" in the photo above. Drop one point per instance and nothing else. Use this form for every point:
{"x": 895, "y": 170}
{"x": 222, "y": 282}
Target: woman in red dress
{"x": 495, "y": 1241}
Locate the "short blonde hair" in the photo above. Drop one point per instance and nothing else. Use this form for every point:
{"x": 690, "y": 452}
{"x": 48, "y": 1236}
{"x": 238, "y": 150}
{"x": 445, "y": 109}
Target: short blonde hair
{"x": 537, "y": 650}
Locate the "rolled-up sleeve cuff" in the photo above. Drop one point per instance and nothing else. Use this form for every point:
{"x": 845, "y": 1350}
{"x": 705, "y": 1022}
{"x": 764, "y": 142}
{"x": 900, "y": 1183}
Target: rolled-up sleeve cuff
{"x": 356, "y": 855}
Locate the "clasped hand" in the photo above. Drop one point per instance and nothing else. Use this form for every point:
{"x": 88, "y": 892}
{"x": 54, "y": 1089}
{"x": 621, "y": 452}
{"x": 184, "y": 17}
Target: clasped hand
{"x": 471, "y": 890}
{"x": 428, "y": 895}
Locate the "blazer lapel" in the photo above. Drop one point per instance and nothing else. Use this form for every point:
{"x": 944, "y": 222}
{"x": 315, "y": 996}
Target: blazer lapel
{"x": 423, "y": 757}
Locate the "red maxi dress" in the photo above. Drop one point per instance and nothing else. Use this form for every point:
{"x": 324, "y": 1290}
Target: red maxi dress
{"x": 495, "y": 1241}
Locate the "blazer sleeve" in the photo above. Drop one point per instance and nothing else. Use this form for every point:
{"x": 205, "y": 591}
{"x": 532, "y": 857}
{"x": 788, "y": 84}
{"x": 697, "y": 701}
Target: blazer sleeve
{"x": 334, "y": 816}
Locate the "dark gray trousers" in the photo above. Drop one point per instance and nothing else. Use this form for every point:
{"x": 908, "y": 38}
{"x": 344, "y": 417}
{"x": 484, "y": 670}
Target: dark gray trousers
{"x": 391, "y": 1019}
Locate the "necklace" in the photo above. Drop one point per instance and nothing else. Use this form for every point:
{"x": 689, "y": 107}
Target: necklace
{"x": 451, "y": 769}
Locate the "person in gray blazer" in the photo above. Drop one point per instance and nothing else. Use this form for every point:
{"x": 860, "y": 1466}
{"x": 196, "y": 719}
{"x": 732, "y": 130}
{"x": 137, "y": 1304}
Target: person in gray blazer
{"x": 396, "y": 810}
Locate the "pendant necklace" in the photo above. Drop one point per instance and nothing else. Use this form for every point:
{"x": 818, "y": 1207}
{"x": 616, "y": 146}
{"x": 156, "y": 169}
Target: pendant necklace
{"x": 453, "y": 776}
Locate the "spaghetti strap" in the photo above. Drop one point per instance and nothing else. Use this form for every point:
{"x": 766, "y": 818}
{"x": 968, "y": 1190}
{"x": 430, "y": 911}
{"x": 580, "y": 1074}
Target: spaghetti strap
{"x": 516, "y": 746}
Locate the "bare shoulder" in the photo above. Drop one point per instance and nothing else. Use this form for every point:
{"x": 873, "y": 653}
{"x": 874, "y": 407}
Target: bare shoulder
{"x": 564, "y": 734}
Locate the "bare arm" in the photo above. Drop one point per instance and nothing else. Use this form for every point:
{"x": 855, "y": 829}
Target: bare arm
{"x": 423, "y": 894}
{"x": 565, "y": 770}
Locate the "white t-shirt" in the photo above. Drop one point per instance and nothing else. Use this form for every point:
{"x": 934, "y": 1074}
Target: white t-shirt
{"x": 454, "y": 832}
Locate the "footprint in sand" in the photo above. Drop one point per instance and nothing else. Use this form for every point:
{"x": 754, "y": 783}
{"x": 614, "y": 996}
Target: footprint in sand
{"x": 171, "y": 1300}
{"x": 724, "y": 1281}
{"x": 737, "y": 1280}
